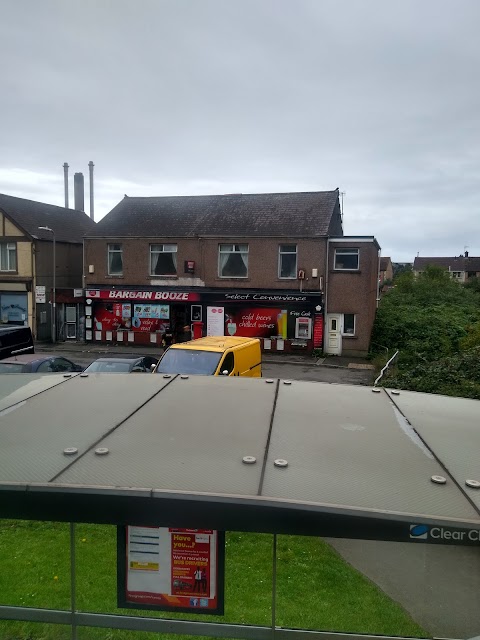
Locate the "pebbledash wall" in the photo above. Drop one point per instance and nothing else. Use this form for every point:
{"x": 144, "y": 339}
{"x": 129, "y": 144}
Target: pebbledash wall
{"x": 287, "y": 314}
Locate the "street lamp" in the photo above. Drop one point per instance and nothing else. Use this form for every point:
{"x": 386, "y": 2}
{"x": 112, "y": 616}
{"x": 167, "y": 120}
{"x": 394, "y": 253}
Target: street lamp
{"x": 54, "y": 329}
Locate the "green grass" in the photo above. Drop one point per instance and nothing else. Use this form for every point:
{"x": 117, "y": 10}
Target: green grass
{"x": 316, "y": 589}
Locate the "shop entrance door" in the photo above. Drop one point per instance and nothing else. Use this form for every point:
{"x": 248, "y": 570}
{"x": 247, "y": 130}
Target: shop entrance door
{"x": 71, "y": 322}
{"x": 334, "y": 334}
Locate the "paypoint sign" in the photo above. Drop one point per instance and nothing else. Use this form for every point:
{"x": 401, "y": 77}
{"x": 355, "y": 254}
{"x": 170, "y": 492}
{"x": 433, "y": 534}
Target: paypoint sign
{"x": 444, "y": 535}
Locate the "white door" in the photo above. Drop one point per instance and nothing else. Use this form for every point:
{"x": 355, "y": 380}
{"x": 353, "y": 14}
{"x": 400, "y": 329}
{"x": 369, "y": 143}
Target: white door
{"x": 334, "y": 334}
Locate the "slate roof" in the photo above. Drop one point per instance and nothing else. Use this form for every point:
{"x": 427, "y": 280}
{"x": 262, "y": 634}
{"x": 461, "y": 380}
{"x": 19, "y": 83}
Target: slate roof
{"x": 385, "y": 262}
{"x": 69, "y": 225}
{"x": 234, "y": 215}
{"x": 456, "y": 263}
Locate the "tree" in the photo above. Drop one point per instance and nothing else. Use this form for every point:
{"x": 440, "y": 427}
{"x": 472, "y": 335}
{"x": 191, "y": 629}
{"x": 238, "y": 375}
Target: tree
{"x": 435, "y": 324}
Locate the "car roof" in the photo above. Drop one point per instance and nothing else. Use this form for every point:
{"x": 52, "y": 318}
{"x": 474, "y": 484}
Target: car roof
{"x": 120, "y": 358}
{"x": 27, "y": 357}
{"x": 214, "y": 343}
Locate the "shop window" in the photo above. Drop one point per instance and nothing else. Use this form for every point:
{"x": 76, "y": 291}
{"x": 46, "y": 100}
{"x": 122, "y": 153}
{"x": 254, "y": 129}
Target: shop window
{"x": 163, "y": 259}
{"x": 349, "y": 324}
{"x": 115, "y": 260}
{"x": 233, "y": 261}
{"x": 347, "y": 259}
{"x": 8, "y": 256}
{"x": 287, "y": 261}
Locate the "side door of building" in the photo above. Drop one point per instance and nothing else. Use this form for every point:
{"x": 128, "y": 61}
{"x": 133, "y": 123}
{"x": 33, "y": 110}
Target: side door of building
{"x": 334, "y": 334}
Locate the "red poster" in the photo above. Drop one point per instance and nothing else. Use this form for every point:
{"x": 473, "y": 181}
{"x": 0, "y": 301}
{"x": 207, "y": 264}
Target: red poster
{"x": 117, "y": 317}
{"x": 318, "y": 331}
{"x": 190, "y": 562}
{"x": 256, "y": 322}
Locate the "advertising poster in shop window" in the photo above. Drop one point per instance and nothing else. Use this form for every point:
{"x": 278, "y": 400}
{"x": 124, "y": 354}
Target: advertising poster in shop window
{"x": 171, "y": 569}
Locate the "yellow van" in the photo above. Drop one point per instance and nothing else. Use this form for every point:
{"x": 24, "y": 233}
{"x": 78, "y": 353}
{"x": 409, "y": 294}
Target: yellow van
{"x": 214, "y": 356}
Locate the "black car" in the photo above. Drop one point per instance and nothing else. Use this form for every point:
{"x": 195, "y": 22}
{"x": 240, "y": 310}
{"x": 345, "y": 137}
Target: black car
{"x": 123, "y": 364}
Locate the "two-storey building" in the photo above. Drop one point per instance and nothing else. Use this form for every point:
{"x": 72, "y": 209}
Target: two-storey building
{"x": 27, "y": 266}
{"x": 263, "y": 265}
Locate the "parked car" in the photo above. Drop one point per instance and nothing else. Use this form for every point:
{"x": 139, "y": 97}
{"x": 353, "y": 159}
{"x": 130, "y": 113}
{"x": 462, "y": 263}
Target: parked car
{"x": 124, "y": 364}
{"x": 15, "y": 340}
{"x": 35, "y": 363}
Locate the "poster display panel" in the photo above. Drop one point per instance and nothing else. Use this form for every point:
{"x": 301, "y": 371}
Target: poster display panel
{"x": 171, "y": 569}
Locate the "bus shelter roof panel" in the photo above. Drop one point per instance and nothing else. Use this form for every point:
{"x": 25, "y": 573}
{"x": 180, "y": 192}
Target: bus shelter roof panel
{"x": 34, "y": 435}
{"x": 18, "y": 387}
{"x": 192, "y": 437}
{"x": 451, "y": 428}
{"x": 351, "y": 447}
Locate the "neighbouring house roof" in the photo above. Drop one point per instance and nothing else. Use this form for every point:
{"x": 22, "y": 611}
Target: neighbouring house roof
{"x": 385, "y": 263}
{"x": 69, "y": 225}
{"x": 456, "y": 263}
{"x": 306, "y": 214}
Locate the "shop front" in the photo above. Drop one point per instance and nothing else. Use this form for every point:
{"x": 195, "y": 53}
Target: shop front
{"x": 284, "y": 321}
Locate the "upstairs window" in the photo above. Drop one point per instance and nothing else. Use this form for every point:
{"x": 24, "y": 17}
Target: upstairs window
{"x": 8, "y": 256}
{"x": 115, "y": 260}
{"x": 287, "y": 261}
{"x": 233, "y": 261}
{"x": 346, "y": 259}
{"x": 163, "y": 259}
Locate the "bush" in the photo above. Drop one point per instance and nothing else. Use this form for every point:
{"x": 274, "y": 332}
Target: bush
{"x": 435, "y": 324}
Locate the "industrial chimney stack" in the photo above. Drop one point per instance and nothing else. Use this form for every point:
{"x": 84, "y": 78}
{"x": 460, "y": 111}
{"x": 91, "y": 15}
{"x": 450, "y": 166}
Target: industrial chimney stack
{"x": 90, "y": 168}
{"x": 65, "y": 182}
{"x": 79, "y": 191}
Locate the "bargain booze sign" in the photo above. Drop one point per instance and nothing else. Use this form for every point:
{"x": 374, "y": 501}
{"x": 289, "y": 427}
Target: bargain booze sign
{"x": 126, "y": 294}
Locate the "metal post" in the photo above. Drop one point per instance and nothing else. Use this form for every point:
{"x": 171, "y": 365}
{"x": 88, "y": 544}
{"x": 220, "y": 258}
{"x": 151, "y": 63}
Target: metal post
{"x": 54, "y": 306}
{"x": 274, "y": 584}
{"x": 54, "y": 310}
{"x": 73, "y": 602}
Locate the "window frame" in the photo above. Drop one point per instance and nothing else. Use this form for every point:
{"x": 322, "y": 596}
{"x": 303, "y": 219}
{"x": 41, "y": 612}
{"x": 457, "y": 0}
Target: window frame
{"x": 232, "y": 251}
{"x": 282, "y": 253}
{"x": 9, "y": 248}
{"x": 349, "y": 333}
{"x": 346, "y": 251}
{"x": 113, "y": 251}
{"x": 151, "y": 253}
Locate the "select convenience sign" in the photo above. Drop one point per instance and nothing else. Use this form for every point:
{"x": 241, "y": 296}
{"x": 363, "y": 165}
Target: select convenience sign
{"x": 171, "y": 569}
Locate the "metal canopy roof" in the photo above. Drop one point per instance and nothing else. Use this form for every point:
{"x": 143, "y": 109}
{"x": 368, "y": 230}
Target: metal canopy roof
{"x": 332, "y": 460}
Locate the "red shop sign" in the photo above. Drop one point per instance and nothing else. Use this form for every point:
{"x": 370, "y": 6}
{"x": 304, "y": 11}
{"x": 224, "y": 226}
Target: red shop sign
{"x": 121, "y": 294}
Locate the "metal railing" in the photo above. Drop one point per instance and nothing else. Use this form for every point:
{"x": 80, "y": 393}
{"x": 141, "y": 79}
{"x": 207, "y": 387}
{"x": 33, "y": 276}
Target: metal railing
{"x": 385, "y": 368}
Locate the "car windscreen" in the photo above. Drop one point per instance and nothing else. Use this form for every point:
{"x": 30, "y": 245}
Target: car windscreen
{"x": 11, "y": 367}
{"x": 203, "y": 363}
{"x": 106, "y": 366}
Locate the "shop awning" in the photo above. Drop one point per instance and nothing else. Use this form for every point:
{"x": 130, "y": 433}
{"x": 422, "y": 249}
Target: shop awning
{"x": 240, "y": 454}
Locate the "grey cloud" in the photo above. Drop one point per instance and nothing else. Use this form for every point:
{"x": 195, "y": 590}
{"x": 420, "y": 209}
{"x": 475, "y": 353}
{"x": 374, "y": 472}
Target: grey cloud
{"x": 196, "y": 96}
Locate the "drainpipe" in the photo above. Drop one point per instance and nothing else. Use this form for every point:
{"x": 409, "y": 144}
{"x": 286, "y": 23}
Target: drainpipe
{"x": 378, "y": 280}
{"x": 325, "y": 297}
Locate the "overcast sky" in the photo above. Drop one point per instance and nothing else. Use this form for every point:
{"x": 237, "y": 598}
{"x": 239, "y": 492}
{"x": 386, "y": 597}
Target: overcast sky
{"x": 379, "y": 98}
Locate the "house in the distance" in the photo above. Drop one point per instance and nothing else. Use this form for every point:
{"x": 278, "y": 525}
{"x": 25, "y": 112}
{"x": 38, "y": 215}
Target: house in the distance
{"x": 385, "y": 274}
{"x": 274, "y": 266}
{"x": 27, "y": 264}
{"x": 461, "y": 268}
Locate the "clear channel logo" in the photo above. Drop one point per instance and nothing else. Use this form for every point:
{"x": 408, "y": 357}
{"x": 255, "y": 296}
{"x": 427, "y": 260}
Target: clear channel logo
{"x": 419, "y": 531}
